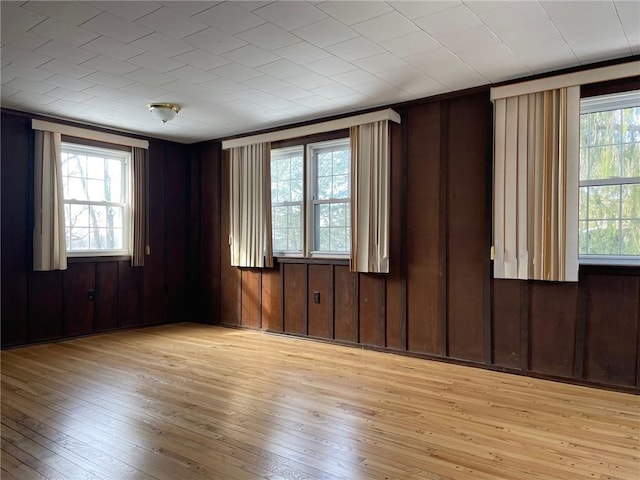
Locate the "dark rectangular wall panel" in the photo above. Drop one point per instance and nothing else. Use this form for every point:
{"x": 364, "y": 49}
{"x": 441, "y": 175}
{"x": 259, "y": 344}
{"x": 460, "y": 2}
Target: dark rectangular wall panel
{"x": 423, "y": 233}
{"x": 79, "y": 279}
{"x": 372, "y": 309}
{"x": 506, "y": 322}
{"x": 345, "y": 304}
{"x": 467, "y": 249}
{"x": 553, "y": 309}
{"x": 210, "y": 231}
{"x": 295, "y": 298}
{"x": 271, "y": 300}
{"x": 106, "y": 308}
{"x": 45, "y": 306}
{"x": 251, "y": 298}
{"x": 396, "y": 285}
{"x": 320, "y": 314}
{"x": 612, "y": 329}
{"x": 15, "y": 228}
{"x": 230, "y": 300}
{"x": 129, "y": 294}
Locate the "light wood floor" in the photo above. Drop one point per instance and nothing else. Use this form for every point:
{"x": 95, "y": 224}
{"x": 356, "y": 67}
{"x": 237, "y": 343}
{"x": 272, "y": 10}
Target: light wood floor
{"x": 198, "y": 402}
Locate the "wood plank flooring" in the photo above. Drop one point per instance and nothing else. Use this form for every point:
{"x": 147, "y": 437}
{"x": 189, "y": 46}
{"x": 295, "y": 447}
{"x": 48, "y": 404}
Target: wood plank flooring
{"x": 189, "y": 401}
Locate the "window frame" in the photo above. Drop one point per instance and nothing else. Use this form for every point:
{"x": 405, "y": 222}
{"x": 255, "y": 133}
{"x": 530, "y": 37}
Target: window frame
{"x": 307, "y": 231}
{"x": 603, "y": 103}
{"x": 105, "y": 150}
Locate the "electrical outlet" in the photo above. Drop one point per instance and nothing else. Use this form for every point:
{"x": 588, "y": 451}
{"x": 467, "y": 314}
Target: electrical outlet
{"x": 316, "y": 297}
{"x": 91, "y": 295}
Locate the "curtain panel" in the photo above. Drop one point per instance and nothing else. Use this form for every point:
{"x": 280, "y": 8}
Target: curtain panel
{"x": 139, "y": 206}
{"x": 536, "y": 169}
{"x": 250, "y": 206}
{"x": 49, "y": 244}
{"x": 370, "y": 172}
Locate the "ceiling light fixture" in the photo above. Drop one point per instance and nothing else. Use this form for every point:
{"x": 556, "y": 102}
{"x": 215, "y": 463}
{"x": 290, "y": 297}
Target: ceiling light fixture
{"x": 164, "y": 111}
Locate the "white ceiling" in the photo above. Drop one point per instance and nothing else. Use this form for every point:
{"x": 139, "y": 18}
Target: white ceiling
{"x": 240, "y": 66}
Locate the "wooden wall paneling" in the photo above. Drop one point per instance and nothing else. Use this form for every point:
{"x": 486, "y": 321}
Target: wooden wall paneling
{"x": 210, "y": 227}
{"x": 251, "y": 298}
{"x": 525, "y": 326}
{"x": 79, "y": 304}
{"x": 129, "y": 301}
{"x": 467, "y": 219}
{"x": 106, "y": 302}
{"x": 372, "y": 309}
{"x": 176, "y": 214}
{"x": 423, "y": 235}
{"x": 15, "y": 227}
{"x": 320, "y": 314}
{"x": 395, "y": 323}
{"x": 154, "y": 295}
{"x": 506, "y": 322}
{"x": 612, "y": 329}
{"x": 230, "y": 282}
{"x": 553, "y": 310}
{"x": 345, "y": 304}
{"x": 46, "y": 314}
{"x": 194, "y": 294}
{"x": 295, "y": 298}
{"x": 271, "y": 300}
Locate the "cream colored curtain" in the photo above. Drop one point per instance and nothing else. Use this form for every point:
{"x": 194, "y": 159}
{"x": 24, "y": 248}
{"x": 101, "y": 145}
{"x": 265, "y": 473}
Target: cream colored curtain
{"x": 536, "y": 168}
{"x": 49, "y": 246}
{"x": 370, "y": 171}
{"x": 250, "y": 206}
{"x": 139, "y": 206}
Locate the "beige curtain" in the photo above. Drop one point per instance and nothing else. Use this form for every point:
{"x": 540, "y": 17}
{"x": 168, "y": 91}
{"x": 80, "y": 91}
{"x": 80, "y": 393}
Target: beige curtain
{"x": 49, "y": 246}
{"x": 370, "y": 171}
{"x": 139, "y": 206}
{"x": 250, "y": 206}
{"x": 536, "y": 168}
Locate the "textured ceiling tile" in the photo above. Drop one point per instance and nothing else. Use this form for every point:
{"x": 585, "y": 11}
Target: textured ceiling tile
{"x": 153, "y": 61}
{"x": 230, "y": 18}
{"x": 9, "y": 54}
{"x": 331, "y": 66}
{"x": 326, "y": 32}
{"x": 29, "y": 85}
{"x": 192, "y": 74}
{"x": 200, "y": 59}
{"x": 385, "y": 27}
{"x": 162, "y": 45}
{"x": 236, "y": 72}
{"x": 251, "y": 56}
{"x": 108, "y": 80}
{"x": 214, "y": 41}
{"x": 116, "y": 28}
{"x": 290, "y": 15}
{"x": 110, "y": 65}
{"x": 149, "y": 77}
{"x": 129, "y": 10}
{"x": 379, "y": 63}
{"x": 171, "y": 23}
{"x": 269, "y": 37}
{"x": 75, "y": 13}
{"x": 65, "y": 52}
{"x": 64, "y": 32}
{"x": 448, "y": 21}
{"x": 301, "y": 53}
{"x": 409, "y": 44}
{"x": 15, "y": 17}
{"x": 112, "y": 48}
{"x": 415, "y": 9}
{"x": 355, "y": 49}
{"x": 68, "y": 83}
{"x": 283, "y": 69}
{"x": 65, "y": 68}
{"x": 352, "y": 12}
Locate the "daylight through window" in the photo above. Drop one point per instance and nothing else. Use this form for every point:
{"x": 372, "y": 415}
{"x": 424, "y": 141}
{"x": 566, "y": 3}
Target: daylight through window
{"x": 610, "y": 179}
{"x": 96, "y": 200}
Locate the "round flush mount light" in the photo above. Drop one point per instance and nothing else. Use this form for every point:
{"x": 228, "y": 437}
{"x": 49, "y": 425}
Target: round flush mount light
{"x": 163, "y": 111}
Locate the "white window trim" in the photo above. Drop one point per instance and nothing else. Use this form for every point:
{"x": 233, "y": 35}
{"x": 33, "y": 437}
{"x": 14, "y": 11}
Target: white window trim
{"x": 311, "y": 201}
{"x": 126, "y": 170}
{"x": 600, "y": 104}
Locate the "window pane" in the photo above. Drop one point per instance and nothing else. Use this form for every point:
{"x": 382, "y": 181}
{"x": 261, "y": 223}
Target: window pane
{"x": 583, "y": 236}
{"x": 279, "y": 217}
{"x": 79, "y": 239}
{"x": 604, "y": 202}
{"x": 323, "y": 215}
{"x": 77, "y": 189}
{"x": 297, "y": 190}
{"x": 341, "y": 186}
{"x": 584, "y": 198}
{"x": 325, "y": 164}
{"x": 284, "y": 192}
{"x": 324, "y": 188}
{"x": 323, "y": 239}
{"x": 113, "y": 181}
{"x": 585, "y": 137}
{"x": 338, "y": 239}
{"x": 341, "y": 162}
{"x": 339, "y": 215}
{"x": 606, "y": 127}
{"x": 631, "y": 201}
{"x": 98, "y": 215}
{"x": 630, "y": 237}
{"x": 296, "y": 167}
{"x": 631, "y": 125}
{"x": 78, "y": 216}
{"x": 604, "y": 162}
{"x": 631, "y": 160}
{"x": 604, "y": 237}
{"x": 95, "y": 168}
{"x": 584, "y": 163}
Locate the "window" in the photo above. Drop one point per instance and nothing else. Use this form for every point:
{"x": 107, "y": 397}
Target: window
{"x": 311, "y": 198}
{"x": 96, "y": 200}
{"x": 609, "y": 215}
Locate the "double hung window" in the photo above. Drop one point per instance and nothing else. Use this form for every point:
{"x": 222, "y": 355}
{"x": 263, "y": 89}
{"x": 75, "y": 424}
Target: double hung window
{"x": 609, "y": 215}
{"x": 96, "y": 185}
{"x": 311, "y": 199}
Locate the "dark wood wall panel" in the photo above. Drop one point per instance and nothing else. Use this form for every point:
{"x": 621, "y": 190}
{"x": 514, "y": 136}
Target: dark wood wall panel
{"x": 106, "y": 302}
{"x": 320, "y": 314}
{"x": 15, "y": 232}
{"x": 396, "y": 329}
{"x": 209, "y": 224}
{"x": 230, "y": 280}
{"x": 251, "y": 298}
{"x": 345, "y": 304}
{"x": 271, "y": 300}
{"x": 79, "y": 305}
{"x": 128, "y": 294}
{"x": 46, "y": 313}
{"x": 612, "y": 329}
{"x": 176, "y": 208}
{"x": 423, "y": 233}
{"x": 295, "y": 298}
{"x": 467, "y": 250}
{"x": 372, "y": 309}
{"x": 553, "y": 311}
{"x": 506, "y": 322}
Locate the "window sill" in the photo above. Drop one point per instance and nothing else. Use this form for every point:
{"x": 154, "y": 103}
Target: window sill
{"x": 99, "y": 258}
{"x": 314, "y": 261}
